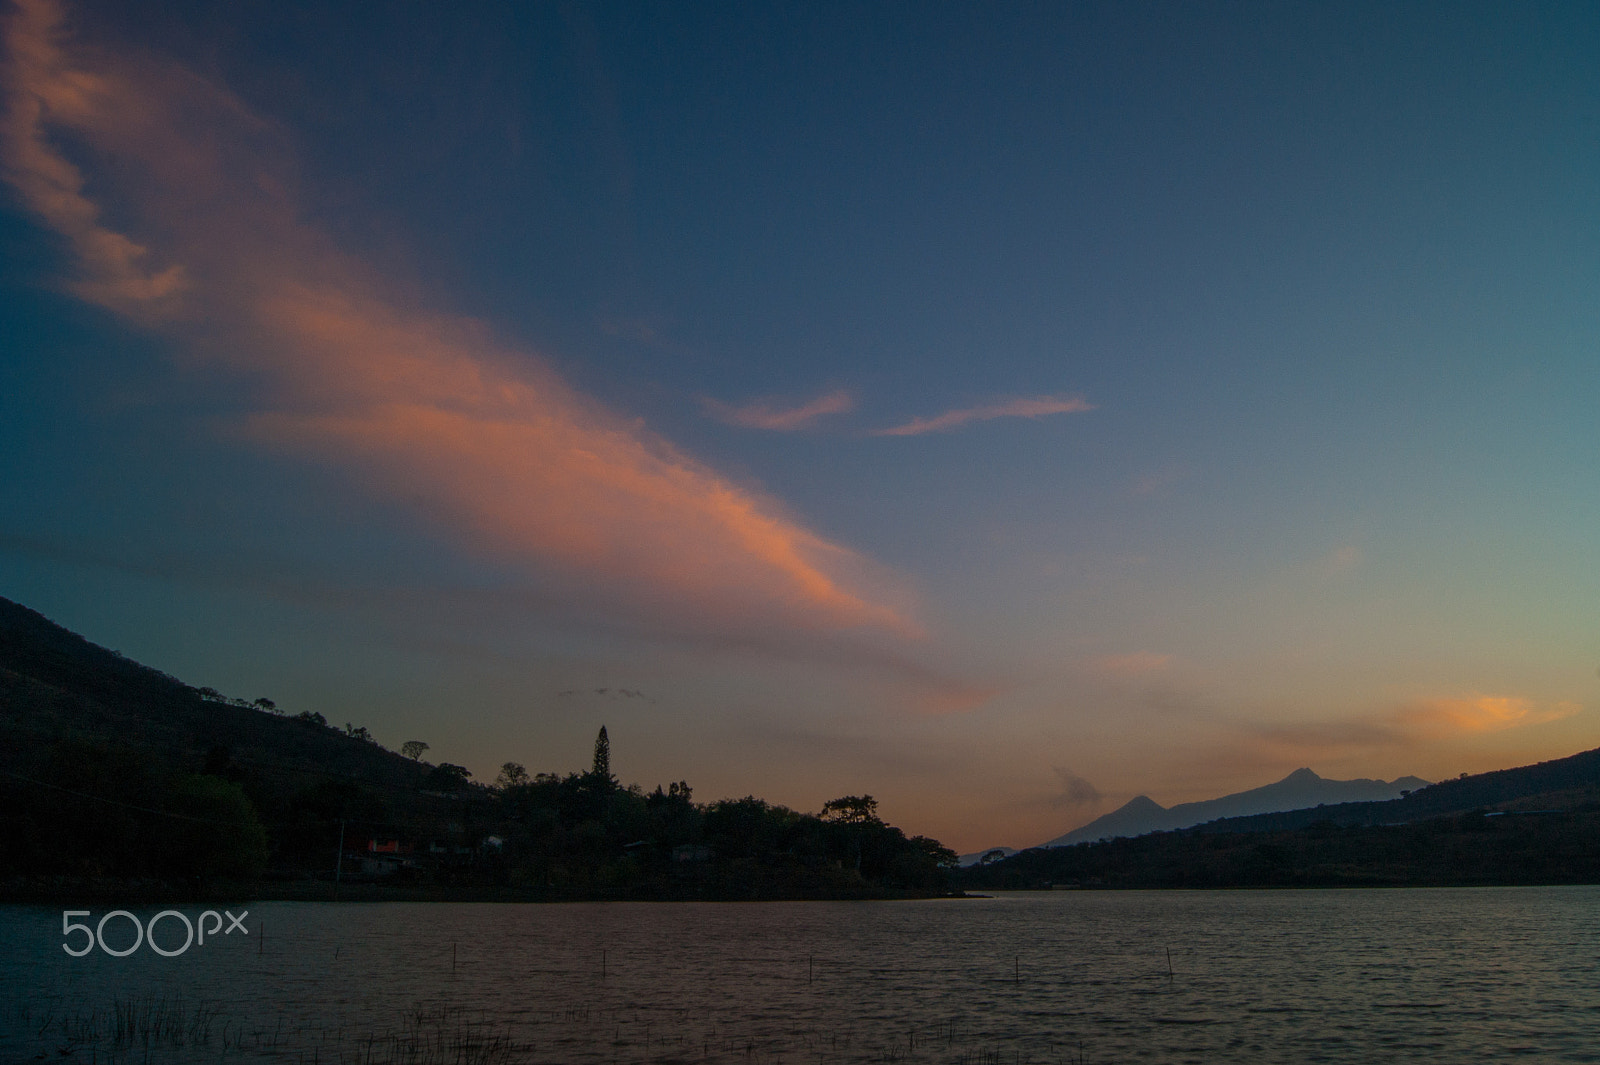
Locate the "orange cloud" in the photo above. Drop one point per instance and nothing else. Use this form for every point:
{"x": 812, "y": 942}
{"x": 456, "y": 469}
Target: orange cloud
{"x": 1419, "y": 724}
{"x": 953, "y": 697}
{"x": 762, "y": 416}
{"x": 1481, "y": 713}
{"x": 1036, "y": 407}
{"x": 421, "y": 406}
{"x": 41, "y": 87}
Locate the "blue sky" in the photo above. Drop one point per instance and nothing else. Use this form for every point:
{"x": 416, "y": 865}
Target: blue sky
{"x": 943, "y": 402}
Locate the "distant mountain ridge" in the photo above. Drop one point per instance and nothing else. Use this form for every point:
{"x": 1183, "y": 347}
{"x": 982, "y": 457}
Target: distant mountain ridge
{"x": 1302, "y": 789}
{"x": 1561, "y": 783}
{"x": 1531, "y": 824}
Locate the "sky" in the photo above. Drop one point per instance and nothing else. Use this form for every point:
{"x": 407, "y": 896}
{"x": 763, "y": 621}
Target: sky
{"x": 1004, "y": 410}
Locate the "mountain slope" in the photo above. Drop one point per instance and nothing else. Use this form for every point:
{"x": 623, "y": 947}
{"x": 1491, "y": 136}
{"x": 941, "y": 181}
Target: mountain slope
{"x": 56, "y": 686}
{"x": 1561, "y": 783}
{"x": 1301, "y": 789}
{"x": 1534, "y": 824}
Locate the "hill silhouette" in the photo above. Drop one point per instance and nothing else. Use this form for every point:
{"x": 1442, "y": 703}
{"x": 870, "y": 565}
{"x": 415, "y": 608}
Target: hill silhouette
{"x": 121, "y": 781}
{"x": 54, "y": 685}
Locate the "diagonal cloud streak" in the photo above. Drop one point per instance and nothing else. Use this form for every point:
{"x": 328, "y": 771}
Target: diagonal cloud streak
{"x": 763, "y": 416}
{"x": 1036, "y": 407}
{"x": 419, "y": 406}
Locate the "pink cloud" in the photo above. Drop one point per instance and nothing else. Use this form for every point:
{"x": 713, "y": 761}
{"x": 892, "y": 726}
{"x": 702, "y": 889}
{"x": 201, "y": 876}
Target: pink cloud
{"x": 1159, "y": 481}
{"x": 763, "y": 416}
{"x": 1036, "y": 407}
{"x": 350, "y": 368}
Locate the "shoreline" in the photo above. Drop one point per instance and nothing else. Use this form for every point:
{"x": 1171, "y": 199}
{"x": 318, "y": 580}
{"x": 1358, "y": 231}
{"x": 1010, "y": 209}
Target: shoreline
{"x": 69, "y": 890}
{"x": 50, "y": 891}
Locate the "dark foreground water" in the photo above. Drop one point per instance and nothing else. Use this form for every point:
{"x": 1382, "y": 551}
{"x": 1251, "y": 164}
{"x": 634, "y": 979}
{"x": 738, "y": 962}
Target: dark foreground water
{"x": 1446, "y": 975}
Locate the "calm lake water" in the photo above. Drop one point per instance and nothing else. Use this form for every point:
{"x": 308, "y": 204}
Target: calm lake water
{"x": 1444, "y": 975}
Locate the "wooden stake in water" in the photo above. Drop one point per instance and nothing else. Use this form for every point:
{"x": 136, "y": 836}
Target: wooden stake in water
{"x": 1016, "y": 969}
{"x": 808, "y": 968}
{"x": 1169, "y": 963}
{"x": 338, "y": 861}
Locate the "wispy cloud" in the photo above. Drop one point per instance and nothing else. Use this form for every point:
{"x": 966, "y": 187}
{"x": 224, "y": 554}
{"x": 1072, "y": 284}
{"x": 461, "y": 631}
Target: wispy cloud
{"x": 1481, "y": 713}
{"x": 1136, "y": 664}
{"x": 1339, "y": 561}
{"x": 1075, "y": 790}
{"x": 605, "y": 693}
{"x": 947, "y": 695}
{"x": 764, "y": 416}
{"x": 1157, "y": 482}
{"x": 634, "y": 329}
{"x": 1422, "y": 723}
{"x": 414, "y": 404}
{"x": 1035, "y": 407}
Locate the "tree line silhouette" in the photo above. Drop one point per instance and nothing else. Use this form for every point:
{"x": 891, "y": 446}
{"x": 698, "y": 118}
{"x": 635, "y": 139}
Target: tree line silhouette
{"x": 584, "y": 834}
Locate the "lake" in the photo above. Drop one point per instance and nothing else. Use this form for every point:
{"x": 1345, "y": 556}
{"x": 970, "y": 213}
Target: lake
{"x": 1421, "y": 975}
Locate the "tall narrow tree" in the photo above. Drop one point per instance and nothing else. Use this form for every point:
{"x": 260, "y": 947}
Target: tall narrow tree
{"x": 602, "y": 756}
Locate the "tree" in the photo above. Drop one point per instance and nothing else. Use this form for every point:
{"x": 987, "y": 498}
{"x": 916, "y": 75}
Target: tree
{"x": 937, "y": 853}
{"x": 512, "y": 775}
{"x": 266, "y": 705}
{"x": 219, "y": 833}
{"x": 413, "y": 749}
{"x": 851, "y": 810}
{"x": 219, "y": 763}
{"x": 602, "y": 757}
{"x": 447, "y": 776}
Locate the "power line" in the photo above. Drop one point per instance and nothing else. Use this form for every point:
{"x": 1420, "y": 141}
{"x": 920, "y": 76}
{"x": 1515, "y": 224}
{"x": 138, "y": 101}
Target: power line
{"x": 124, "y": 805}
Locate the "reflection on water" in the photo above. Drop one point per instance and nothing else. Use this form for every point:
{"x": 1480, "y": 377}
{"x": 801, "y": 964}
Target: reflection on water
{"x": 1260, "y": 976}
